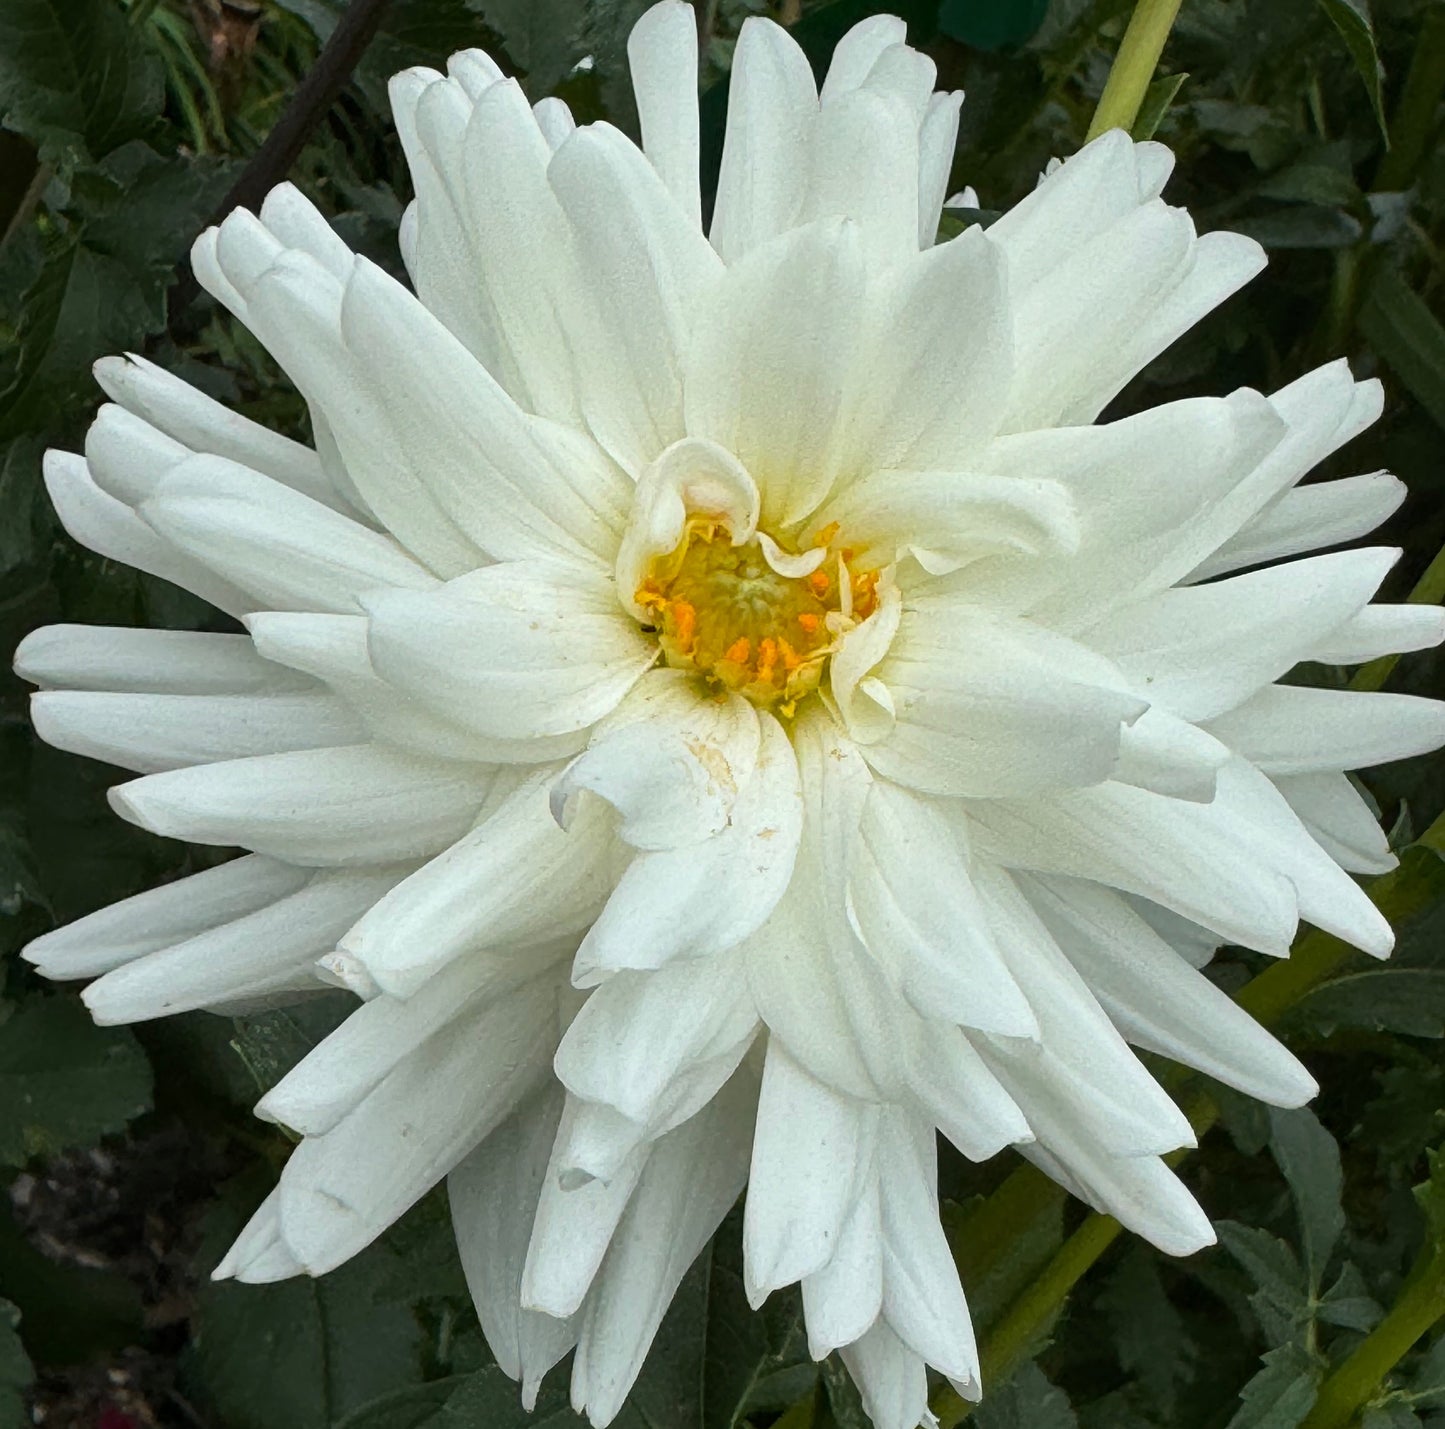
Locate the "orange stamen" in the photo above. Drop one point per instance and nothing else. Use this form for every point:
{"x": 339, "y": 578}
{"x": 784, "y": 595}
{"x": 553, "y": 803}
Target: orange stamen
{"x": 819, "y": 582}
{"x": 739, "y": 650}
{"x": 809, "y": 622}
{"x": 826, "y": 534}
{"x": 685, "y": 622}
{"x": 767, "y": 657}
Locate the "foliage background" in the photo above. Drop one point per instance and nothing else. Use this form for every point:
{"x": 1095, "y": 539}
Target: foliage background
{"x": 128, "y": 1156}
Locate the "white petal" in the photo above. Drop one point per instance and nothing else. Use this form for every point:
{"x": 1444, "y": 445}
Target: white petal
{"x": 638, "y": 1031}
{"x": 692, "y": 477}
{"x": 1162, "y": 752}
{"x": 1188, "y": 469}
{"x": 352, "y": 1061}
{"x": 1286, "y": 729}
{"x": 125, "y": 660}
{"x": 1201, "y": 650}
{"x": 810, "y": 1152}
{"x": 662, "y": 55}
{"x": 555, "y": 121}
{"x": 515, "y": 877}
{"x": 341, "y": 1190}
{"x": 149, "y": 733}
{"x": 946, "y": 519}
{"x": 892, "y": 1379}
{"x": 493, "y": 1195}
{"x": 1198, "y": 863}
{"x": 1340, "y": 820}
{"x": 937, "y": 143}
{"x": 333, "y": 648}
{"x": 172, "y": 913}
{"x": 111, "y": 529}
{"x": 1158, "y": 1001}
{"x": 1123, "y": 1107}
{"x": 1381, "y": 630}
{"x": 922, "y": 1299}
{"x": 989, "y": 707}
{"x": 941, "y": 349}
{"x": 286, "y": 550}
{"x": 772, "y": 107}
{"x": 205, "y": 425}
{"x": 690, "y": 1183}
{"x": 259, "y": 1255}
{"x": 269, "y": 950}
{"x": 842, "y": 1300}
{"x": 671, "y": 762}
{"x": 700, "y": 900}
{"x": 325, "y": 807}
{"x": 1309, "y": 518}
{"x": 648, "y": 268}
{"x": 770, "y": 365}
{"x": 857, "y": 52}
{"x": 864, "y": 168}
{"x": 918, "y": 912}
{"x": 521, "y": 650}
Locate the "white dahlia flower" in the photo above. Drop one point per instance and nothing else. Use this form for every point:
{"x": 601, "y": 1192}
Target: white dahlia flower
{"x": 722, "y": 705}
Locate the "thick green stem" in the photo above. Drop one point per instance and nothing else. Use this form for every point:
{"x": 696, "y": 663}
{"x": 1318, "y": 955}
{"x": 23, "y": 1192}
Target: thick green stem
{"x": 1134, "y": 66}
{"x": 1359, "y": 1378}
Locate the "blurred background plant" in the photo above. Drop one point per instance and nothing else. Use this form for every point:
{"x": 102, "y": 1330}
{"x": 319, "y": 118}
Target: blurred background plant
{"x": 127, "y": 1157}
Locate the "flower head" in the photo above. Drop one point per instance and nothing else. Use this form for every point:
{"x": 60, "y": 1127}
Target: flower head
{"x": 722, "y": 702}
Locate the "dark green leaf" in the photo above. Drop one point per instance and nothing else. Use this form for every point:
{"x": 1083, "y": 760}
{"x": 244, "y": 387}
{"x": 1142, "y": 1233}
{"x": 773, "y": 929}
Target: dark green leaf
{"x": 64, "y": 1081}
{"x": 1404, "y": 1000}
{"x": 1282, "y": 1393}
{"x": 1310, "y": 1160}
{"x": 1409, "y": 337}
{"x": 271, "y": 1043}
{"x": 1147, "y": 1331}
{"x": 1026, "y": 1401}
{"x": 1302, "y": 226}
{"x": 328, "y": 1345}
{"x": 1158, "y": 98}
{"x": 1352, "y": 19}
{"x": 1348, "y": 1304}
{"x": 75, "y": 77}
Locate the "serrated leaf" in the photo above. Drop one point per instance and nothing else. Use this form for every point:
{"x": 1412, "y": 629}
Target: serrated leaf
{"x": 64, "y": 1081}
{"x": 1349, "y": 1304}
{"x": 15, "y": 1370}
{"x": 1410, "y": 1001}
{"x": 75, "y": 78}
{"x": 1427, "y": 1384}
{"x": 1146, "y": 1330}
{"x": 1392, "y": 1415}
{"x": 543, "y": 38}
{"x": 1352, "y": 19}
{"x": 1282, "y": 1393}
{"x": 1026, "y": 1401}
{"x": 1408, "y": 336}
{"x": 1310, "y": 1159}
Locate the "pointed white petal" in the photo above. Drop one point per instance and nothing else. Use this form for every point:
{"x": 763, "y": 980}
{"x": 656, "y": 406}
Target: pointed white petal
{"x": 662, "y": 55}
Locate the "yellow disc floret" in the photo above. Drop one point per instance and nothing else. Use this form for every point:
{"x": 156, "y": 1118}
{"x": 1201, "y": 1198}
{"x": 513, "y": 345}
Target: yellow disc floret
{"x": 727, "y": 613}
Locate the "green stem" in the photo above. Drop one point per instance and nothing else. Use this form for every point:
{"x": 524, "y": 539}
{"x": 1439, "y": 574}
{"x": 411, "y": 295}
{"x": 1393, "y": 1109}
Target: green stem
{"x": 1134, "y": 65}
{"x": 1358, "y": 1379}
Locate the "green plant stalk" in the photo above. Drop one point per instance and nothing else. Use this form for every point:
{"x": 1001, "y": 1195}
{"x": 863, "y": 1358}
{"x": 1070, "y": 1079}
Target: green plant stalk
{"x": 1268, "y": 997}
{"x": 1134, "y": 66}
{"x": 1356, "y": 1381}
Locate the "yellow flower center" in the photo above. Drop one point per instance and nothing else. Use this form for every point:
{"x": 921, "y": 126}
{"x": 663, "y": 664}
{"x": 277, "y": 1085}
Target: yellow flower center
{"x": 725, "y": 612}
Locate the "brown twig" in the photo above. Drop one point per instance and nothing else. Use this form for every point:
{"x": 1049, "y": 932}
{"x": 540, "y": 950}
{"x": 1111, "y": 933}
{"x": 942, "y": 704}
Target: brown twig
{"x": 314, "y": 96}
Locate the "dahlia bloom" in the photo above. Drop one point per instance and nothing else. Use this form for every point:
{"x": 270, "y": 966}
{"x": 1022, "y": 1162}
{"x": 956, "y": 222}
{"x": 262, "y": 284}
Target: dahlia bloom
{"x": 723, "y": 705}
